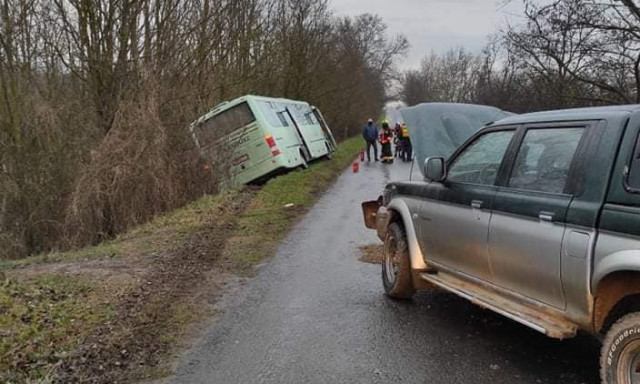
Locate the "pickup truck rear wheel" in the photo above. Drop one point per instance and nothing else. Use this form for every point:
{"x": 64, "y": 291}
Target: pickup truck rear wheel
{"x": 396, "y": 265}
{"x": 620, "y": 356}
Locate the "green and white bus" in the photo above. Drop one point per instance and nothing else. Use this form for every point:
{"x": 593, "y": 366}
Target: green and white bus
{"x": 267, "y": 136}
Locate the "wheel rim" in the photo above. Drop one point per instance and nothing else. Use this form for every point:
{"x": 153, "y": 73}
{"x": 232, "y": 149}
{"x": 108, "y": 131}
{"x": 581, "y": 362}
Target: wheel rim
{"x": 391, "y": 266}
{"x": 628, "y": 371}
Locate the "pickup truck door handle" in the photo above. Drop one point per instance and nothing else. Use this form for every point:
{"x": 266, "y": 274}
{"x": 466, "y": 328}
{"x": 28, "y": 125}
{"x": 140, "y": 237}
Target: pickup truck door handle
{"x": 476, "y": 204}
{"x": 546, "y": 216}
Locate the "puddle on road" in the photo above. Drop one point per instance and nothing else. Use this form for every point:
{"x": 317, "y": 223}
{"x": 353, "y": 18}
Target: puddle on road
{"x": 371, "y": 254}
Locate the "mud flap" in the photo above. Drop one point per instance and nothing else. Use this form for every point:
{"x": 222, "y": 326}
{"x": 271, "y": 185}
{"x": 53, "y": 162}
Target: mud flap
{"x": 370, "y": 212}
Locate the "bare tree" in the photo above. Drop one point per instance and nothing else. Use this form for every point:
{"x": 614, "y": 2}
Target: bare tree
{"x": 96, "y": 98}
{"x": 596, "y": 43}
{"x": 449, "y": 77}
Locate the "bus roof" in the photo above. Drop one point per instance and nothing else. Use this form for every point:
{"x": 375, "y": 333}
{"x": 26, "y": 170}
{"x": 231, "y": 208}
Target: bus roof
{"x": 225, "y": 105}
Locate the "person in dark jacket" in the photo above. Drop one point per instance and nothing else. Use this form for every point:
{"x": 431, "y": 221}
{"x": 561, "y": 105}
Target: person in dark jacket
{"x": 397, "y": 139}
{"x": 407, "y": 148}
{"x": 370, "y": 135}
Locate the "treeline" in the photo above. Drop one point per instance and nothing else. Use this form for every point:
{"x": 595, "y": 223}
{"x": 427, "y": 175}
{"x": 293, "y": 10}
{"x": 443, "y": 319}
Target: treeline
{"x": 568, "y": 53}
{"x": 96, "y": 98}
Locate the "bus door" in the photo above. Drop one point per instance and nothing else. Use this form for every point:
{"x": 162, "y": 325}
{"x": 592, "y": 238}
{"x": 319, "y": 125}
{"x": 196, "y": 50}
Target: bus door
{"x": 325, "y": 128}
{"x": 305, "y": 145}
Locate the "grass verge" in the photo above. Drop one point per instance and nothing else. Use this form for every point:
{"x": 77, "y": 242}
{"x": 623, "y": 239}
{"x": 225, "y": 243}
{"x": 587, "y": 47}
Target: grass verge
{"x": 41, "y": 320}
{"x": 94, "y": 315}
{"x": 280, "y": 203}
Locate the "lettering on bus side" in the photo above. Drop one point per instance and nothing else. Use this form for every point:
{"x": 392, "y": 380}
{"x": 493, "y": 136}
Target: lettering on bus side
{"x": 243, "y": 140}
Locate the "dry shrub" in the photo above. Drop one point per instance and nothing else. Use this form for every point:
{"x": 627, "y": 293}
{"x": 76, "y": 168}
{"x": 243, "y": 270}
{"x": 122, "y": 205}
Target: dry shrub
{"x": 36, "y": 176}
{"x": 11, "y": 246}
{"x": 136, "y": 172}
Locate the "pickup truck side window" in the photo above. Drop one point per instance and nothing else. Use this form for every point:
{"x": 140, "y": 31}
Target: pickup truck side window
{"x": 479, "y": 162}
{"x": 544, "y": 159}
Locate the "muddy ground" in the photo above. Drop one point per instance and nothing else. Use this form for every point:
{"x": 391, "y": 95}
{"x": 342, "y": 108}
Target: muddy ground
{"x": 156, "y": 299}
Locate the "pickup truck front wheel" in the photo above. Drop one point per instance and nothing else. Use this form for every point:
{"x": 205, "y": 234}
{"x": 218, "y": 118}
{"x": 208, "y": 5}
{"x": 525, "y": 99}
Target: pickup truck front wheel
{"x": 396, "y": 265}
{"x": 620, "y": 358}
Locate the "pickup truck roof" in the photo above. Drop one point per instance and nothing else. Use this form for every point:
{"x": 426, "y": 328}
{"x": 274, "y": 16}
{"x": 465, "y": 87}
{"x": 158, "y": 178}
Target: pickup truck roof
{"x": 569, "y": 114}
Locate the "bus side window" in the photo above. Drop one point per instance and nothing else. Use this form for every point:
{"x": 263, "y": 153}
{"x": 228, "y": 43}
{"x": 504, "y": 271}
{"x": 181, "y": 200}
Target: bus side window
{"x": 283, "y": 119}
{"x": 270, "y": 112}
{"x": 310, "y": 118}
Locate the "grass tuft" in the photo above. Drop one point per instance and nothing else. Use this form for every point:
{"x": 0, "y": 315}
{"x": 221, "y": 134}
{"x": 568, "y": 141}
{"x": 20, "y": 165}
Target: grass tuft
{"x": 42, "y": 321}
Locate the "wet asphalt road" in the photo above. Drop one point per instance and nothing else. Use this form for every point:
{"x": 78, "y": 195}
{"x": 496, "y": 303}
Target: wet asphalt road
{"x": 315, "y": 314}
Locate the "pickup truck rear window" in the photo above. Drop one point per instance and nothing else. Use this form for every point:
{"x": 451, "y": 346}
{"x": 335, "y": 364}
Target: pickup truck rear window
{"x": 544, "y": 159}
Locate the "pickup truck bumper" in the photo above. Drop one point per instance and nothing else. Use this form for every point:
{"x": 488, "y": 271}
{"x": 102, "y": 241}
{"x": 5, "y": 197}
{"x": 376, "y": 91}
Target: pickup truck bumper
{"x": 376, "y": 216}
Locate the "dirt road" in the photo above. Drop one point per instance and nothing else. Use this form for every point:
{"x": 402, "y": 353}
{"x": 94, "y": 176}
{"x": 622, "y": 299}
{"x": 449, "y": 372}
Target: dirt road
{"x": 315, "y": 314}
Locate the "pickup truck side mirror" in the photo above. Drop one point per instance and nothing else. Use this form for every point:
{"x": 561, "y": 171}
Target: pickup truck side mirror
{"x": 435, "y": 169}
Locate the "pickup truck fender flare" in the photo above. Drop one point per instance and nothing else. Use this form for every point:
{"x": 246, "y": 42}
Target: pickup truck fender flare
{"x": 621, "y": 261}
{"x": 400, "y": 208}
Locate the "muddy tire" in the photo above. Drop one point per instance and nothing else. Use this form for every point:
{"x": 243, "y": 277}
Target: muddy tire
{"x": 620, "y": 354}
{"x": 396, "y": 265}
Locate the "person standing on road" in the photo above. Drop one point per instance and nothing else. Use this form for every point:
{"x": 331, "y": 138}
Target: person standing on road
{"x": 386, "y": 137}
{"x": 407, "y": 148}
{"x": 397, "y": 140}
{"x": 370, "y": 135}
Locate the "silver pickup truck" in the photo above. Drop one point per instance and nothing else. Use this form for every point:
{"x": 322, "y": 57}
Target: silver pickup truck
{"x": 536, "y": 217}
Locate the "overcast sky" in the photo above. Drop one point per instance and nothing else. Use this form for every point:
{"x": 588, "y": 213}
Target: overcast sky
{"x": 437, "y": 24}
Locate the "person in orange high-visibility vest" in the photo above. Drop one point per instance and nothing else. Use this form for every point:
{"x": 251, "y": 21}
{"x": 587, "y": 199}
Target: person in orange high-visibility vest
{"x": 386, "y": 137}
